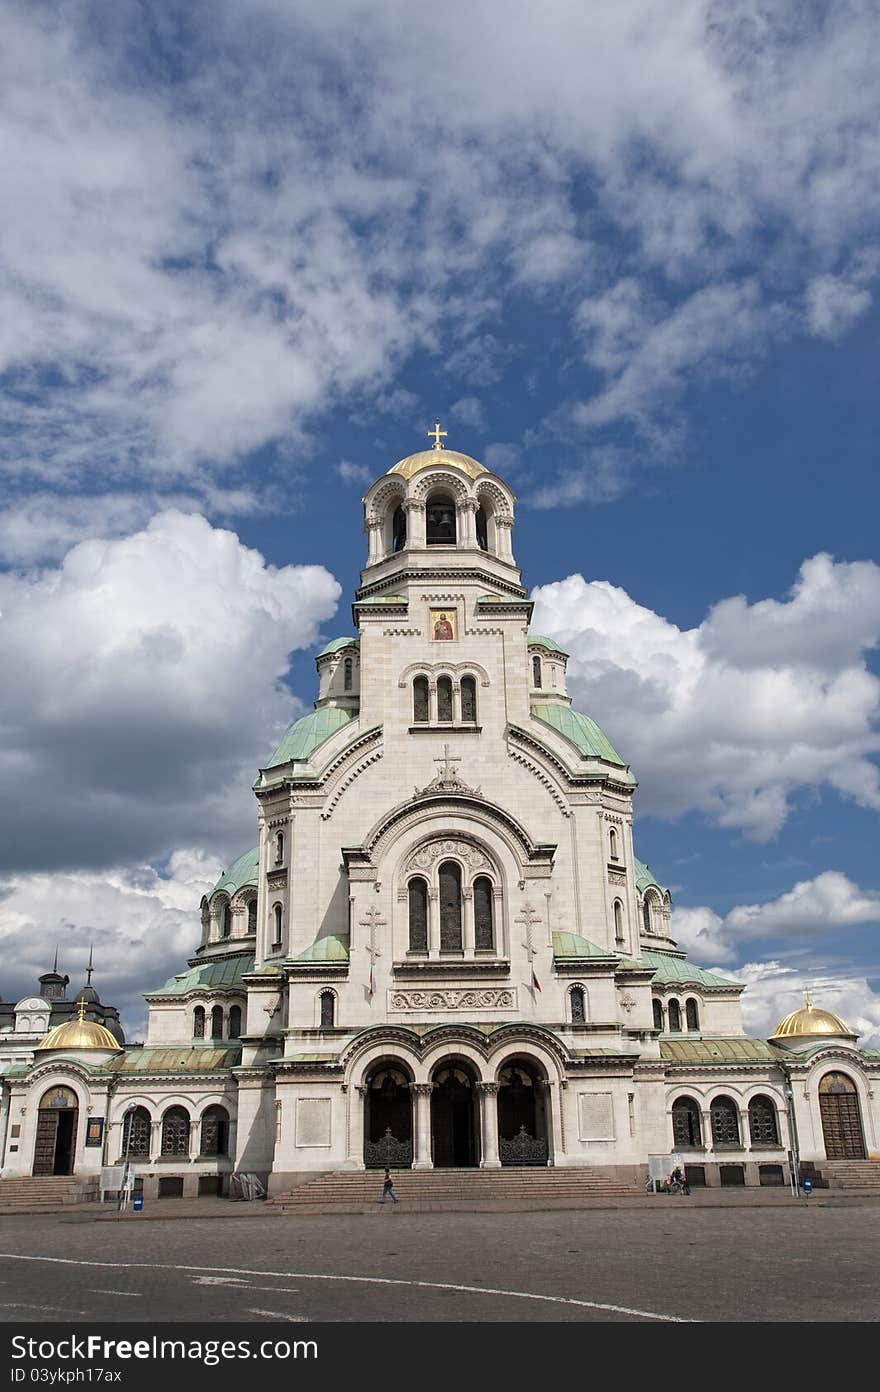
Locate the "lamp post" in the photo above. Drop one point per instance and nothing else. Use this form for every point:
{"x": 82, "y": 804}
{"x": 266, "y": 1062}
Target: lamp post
{"x": 128, "y": 1116}
{"x": 793, "y": 1137}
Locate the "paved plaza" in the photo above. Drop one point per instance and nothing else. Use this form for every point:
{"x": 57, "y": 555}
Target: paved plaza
{"x": 675, "y": 1261}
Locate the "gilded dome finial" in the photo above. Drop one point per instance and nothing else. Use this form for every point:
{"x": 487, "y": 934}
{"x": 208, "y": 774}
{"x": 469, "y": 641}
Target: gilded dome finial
{"x": 808, "y": 996}
{"x": 435, "y": 436}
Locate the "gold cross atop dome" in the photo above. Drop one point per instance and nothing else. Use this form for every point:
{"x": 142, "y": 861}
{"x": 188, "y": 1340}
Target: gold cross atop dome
{"x": 435, "y": 434}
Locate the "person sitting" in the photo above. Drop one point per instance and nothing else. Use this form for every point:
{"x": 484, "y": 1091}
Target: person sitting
{"x": 679, "y": 1177}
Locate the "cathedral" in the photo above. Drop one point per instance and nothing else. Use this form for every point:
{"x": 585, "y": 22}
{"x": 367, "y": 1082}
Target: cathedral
{"x": 443, "y": 950}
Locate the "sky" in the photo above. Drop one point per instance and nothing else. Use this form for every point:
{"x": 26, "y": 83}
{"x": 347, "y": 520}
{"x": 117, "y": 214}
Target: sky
{"x": 628, "y": 254}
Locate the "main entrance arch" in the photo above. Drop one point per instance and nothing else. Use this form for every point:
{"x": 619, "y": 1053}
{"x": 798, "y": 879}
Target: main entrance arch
{"x": 455, "y": 1116}
{"x": 57, "y": 1121}
{"x": 523, "y": 1123}
{"x": 841, "y": 1118}
{"x": 388, "y": 1126}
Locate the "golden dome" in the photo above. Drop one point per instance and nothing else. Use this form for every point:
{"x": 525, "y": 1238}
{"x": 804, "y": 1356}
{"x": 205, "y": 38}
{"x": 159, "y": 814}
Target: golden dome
{"x": 809, "y": 1022}
{"x": 79, "y": 1034}
{"x": 425, "y": 458}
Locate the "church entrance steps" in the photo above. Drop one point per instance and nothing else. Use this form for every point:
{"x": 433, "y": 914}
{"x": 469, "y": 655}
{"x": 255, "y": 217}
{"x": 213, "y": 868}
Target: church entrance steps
{"x": 36, "y": 1192}
{"x": 354, "y": 1188}
{"x": 863, "y": 1175}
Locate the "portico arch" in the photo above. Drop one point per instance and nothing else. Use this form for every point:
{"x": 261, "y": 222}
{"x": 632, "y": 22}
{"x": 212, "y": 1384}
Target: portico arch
{"x": 388, "y": 1119}
{"x": 842, "y": 1129}
{"x": 57, "y": 1126}
{"x": 455, "y": 1114}
{"x": 523, "y": 1112}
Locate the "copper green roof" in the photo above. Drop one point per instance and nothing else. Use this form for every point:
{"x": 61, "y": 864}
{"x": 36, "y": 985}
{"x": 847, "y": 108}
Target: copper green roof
{"x": 567, "y": 946}
{"x": 241, "y": 872}
{"x": 329, "y": 949}
{"x": 678, "y": 970}
{"x": 580, "y": 731}
{"x": 537, "y": 640}
{"x": 185, "y": 1059}
{"x": 336, "y": 643}
{"x": 308, "y": 733}
{"x": 731, "y": 1051}
{"x": 645, "y": 877}
{"x": 223, "y": 973}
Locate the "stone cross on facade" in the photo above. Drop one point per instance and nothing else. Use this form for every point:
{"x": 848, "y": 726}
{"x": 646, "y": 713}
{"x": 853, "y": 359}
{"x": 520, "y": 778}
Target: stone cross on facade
{"x": 372, "y": 919}
{"x": 447, "y": 772}
{"x": 529, "y": 919}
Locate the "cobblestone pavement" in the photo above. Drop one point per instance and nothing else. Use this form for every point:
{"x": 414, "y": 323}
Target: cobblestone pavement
{"x": 667, "y": 1260}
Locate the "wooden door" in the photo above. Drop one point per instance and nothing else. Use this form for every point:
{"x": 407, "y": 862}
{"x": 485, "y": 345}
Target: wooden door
{"x": 44, "y": 1147}
{"x": 842, "y": 1126}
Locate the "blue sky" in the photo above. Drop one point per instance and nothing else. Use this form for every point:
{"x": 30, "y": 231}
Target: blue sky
{"x": 628, "y": 255}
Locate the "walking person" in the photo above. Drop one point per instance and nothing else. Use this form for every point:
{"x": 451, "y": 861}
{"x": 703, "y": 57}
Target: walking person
{"x": 388, "y": 1189}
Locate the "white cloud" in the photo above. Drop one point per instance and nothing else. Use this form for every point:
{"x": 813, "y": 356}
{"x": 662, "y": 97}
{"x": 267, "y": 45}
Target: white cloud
{"x": 468, "y": 410}
{"x": 148, "y": 685}
{"x": 834, "y": 304}
{"x": 353, "y": 473}
{"x": 143, "y": 926}
{"x": 734, "y": 717}
{"x": 774, "y": 991}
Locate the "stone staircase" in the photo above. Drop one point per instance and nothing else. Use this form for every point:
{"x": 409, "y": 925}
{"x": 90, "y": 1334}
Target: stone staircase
{"x": 354, "y": 1190}
{"x": 861, "y": 1175}
{"x": 38, "y": 1194}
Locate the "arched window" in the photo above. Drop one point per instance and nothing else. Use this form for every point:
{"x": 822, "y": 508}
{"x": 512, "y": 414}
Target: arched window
{"x": 440, "y": 521}
{"x": 279, "y": 848}
{"x": 763, "y": 1126}
{"x": 328, "y": 1010}
{"x": 444, "y": 698}
{"x": 646, "y": 914}
{"x": 674, "y": 1017}
{"x": 398, "y": 530}
{"x": 276, "y": 914}
{"x": 484, "y": 928}
{"x": 725, "y": 1121}
{"x": 450, "y": 907}
{"x": 136, "y": 1133}
{"x": 418, "y": 915}
{"x": 234, "y": 1031}
{"x": 692, "y": 1014}
{"x": 482, "y": 529}
{"x": 215, "y": 1131}
{"x": 175, "y": 1132}
{"x": 658, "y": 1014}
{"x": 199, "y": 1022}
{"x": 469, "y": 699}
{"x": 578, "y": 1005}
{"x": 618, "y": 921}
{"x": 347, "y": 668}
{"x": 420, "y": 701}
{"x": 227, "y": 920}
{"x": 536, "y": 671}
{"x": 686, "y": 1129}
{"x": 252, "y": 916}
{"x": 612, "y": 844}
{"x": 217, "y": 1022}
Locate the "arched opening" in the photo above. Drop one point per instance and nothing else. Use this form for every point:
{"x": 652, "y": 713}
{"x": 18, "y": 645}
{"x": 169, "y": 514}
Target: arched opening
{"x": 199, "y": 1022}
{"x": 841, "y": 1118}
{"x": 136, "y": 1134}
{"x": 276, "y": 915}
{"x": 387, "y": 1118}
{"x": 658, "y": 1014}
{"x": 578, "y": 1005}
{"x": 418, "y": 915}
{"x": 175, "y": 1131}
{"x": 482, "y": 522}
{"x": 214, "y": 1139}
{"x": 227, "y": 921}
{"x": 347, "y": 670}
{"x": 484, "y": 926}
{"x": 455, "y": 1119}
{"x": 444, "y": 698}
{"x": 217, "y": 1022}
{"x": 234, "y": 1030}
{"x": 612, "y": 844}
{"x": 328, "y": 1010}
{"x": 674, "y": 1017}
{"x": 252, "y": 916}
{"x": 691, "y": 1014}
{"x": 440, "y": 521}
{"x": 763, "y": 1125}
{"x": 469, "y": 700}
{"x": 420, "y": 701}
{"x": 686, "y": 1127}
{"x": 279, "y": 848}
{"x": 523, "y": 1124}
{"x": 55, "y": 1144}
{"x": 398, "y": 529}
{"x": 536, "y": 672}
{"x": 450, "y": 907}
{"x": 725, "y": 1121}
{"x": 618, "y": 922}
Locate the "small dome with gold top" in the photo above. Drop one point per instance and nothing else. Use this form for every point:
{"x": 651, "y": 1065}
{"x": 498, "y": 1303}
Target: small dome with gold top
{"x": 437, "y": 454}
{"x": 808, "y": 1024}
{"x": 79, "y": 1034}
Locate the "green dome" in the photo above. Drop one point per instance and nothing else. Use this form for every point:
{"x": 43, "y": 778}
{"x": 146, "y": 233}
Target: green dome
{"x": 241, "y": 872}
{"x": 580, "y": 731}
{"x": 567, "y": 946}
{"x": 535, "y": 640}
{"x": 308, "y": 733}
{"x": 645, "y": 877}
{"x": 329, "y": 949}
{"x": 336, "y": 643}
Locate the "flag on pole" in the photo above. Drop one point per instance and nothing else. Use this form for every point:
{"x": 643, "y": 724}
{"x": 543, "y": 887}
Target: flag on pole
{"x": 372, "y": 980}
{"x": 535, "y": 982}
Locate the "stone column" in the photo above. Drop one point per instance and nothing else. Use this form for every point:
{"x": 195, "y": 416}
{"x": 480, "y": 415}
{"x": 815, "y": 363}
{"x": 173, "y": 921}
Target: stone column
{"x": 503, "y": 528}
{"x": 155, "y": 1139}
{"x": 415, "y": 525}
{"x": 489, "y": 1094}
{"x": 432, "y": 703}
{"x": 433, "y": 922}
{"x": 374, "y": 538}
{"x": 468, "y": 515}
{"x": 356, "y": 1104}
{"x": 745, "y": 1138}
{"x": 552, "y": 1123}
{"x": 468, "y": 930}
{"x": 422, "y": 1129}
